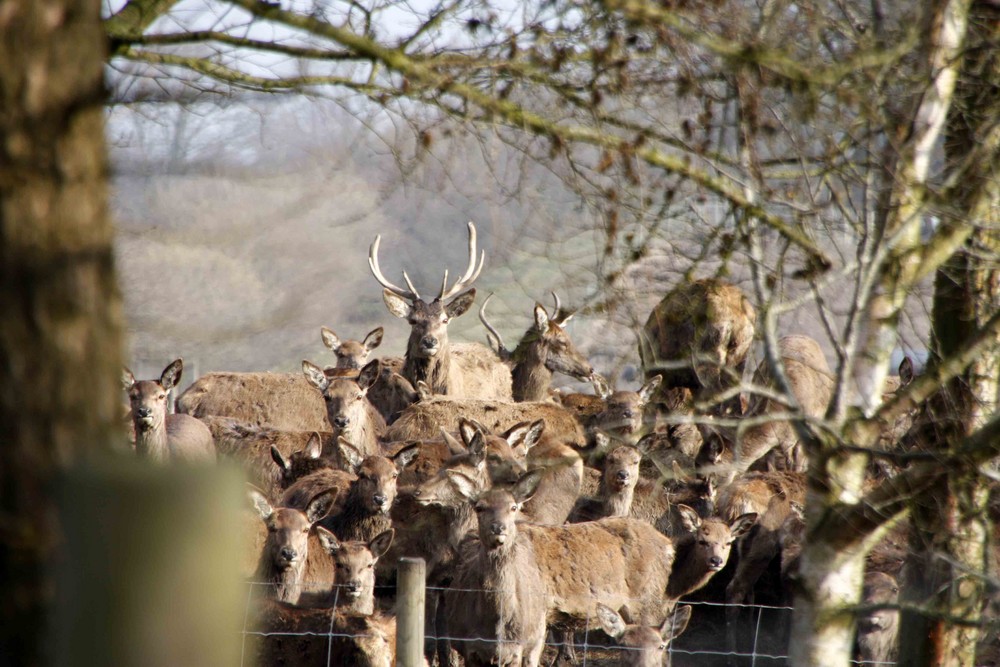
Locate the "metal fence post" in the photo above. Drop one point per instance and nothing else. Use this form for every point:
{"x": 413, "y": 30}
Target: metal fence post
{"x": 410, "y": 597}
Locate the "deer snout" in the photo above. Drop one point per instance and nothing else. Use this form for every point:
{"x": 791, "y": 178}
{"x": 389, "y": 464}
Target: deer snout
{"x": 143, "y": 412}
{"x": 429, "y": 344}
{"x": 341, "y": 421}
{"x": 380, "y": 500}
{"x": 353, "y": 588}
{"x": 715, "y": 562}
{"x": 288, "y": 555}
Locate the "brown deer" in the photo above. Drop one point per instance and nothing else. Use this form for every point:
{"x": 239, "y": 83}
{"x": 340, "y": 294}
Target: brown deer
{"x": 282, "y": 634}
{"x": 460, "y": 371}
{"x": 160, "y": 436}
{"x": 354, "y": 569}
{"x": 257, "y": 449}
{"x": 351, "y": 354}
{"x": 281, "y": 400}
{"x": 645, "y": 646}
{"x": 704, "y": 549}
{"x": 760, "y": 437}
{"x": 622, "y": 492}
{"x": 544, "y": 349}
{"x": 623, "y": 563}
{"x": 698, "y": 336}
{"x": 283, "y": 559}
{"x": 424, "y": 419}
{"x": 878, "y": 630}
{"x": 347, "y": 406}
{"x": 370, "y": 496}
{"x": 498, "y": 596}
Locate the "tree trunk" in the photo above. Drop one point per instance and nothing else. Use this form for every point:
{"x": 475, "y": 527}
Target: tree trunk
{"x": 951, "y": 528}
{"x": 60, "y": 333}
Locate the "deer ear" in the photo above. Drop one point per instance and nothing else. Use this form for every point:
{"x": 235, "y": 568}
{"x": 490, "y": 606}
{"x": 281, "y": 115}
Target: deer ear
{"x": 464, "y": 485}
{"x": 373, "y": 339}
{"x": 690, "y": 520}
{"x": 541, "y": 318}
{"x": 601, "y": 386}
{"x": 906, "y": 371}
{"x": 525, "y": 487}
{"x": 647, "y": 390}
{"x": 454, "y": 446}
{"x": 330, "y": 339}
{"x": 424, "y": 391}
{"x": 611, "y": 621}
{"x": 328, "y": 540}
{"x": 278, "y": 459}
{"x": 260, "y": 502}
{"x": 467, "y": 430}
{"x": 369, "y": 374}
{"x": 742, "y": 525}
{"x": 405, "y": 456}
{"x": 127, "y": 378}
{"x": 396, "y": 304}
{"x": 320, "y": 505}
{"x": 676, "y": 623}
{"x": 381, "y": 543}
{"x": 350, "y": 454}
{"x": 315, "y": 375}
{"x": 172, "y": 374}
{"x": 313, "y": 448}
{"x": 460, "y": 303}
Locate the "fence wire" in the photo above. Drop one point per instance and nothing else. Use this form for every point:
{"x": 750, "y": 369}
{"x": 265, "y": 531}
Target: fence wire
{"x": 592, "y": 650}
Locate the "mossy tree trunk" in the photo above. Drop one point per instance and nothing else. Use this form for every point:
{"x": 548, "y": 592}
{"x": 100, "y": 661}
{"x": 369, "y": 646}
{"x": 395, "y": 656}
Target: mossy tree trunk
{"x": 61, "y": 324}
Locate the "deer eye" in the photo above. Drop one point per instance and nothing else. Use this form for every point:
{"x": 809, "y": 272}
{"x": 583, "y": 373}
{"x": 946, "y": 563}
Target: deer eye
{"x": 371, "y": 565}
{"x": 358, "y": 397}
{"x": 161, "y": 396}
{"x": 513, "y": 508}
{"x": 395, "y": 475}
{"x": 703, "y": 543}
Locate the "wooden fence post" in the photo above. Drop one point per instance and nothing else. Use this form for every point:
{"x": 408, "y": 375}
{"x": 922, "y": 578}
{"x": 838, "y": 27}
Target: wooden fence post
{"x": 410, "y": 596}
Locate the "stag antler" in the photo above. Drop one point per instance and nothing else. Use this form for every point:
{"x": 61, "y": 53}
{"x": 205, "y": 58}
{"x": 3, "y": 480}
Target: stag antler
{"x": 471, "y": 273}
{"x": 409, "y": 294}
{"x": 502, "y": 350}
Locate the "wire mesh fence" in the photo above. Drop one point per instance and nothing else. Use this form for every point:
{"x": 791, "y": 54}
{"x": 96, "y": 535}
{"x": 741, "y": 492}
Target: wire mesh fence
{"x": 751, "y": 635}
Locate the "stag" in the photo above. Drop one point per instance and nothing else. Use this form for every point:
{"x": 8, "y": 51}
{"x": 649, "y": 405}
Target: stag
{"x": 461, "y": 370}
{"x": 544, "y": 349}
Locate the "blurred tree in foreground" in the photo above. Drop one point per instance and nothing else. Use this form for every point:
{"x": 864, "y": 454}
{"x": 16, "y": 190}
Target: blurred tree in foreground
{"x": 60, "y": 333}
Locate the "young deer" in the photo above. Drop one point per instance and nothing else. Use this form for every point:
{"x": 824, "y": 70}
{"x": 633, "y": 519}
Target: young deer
{"x": 544, "y": 349}
{"x": 354, "y": 569}
{"x": 466, "y": 371}
{"x": 283, "y": 560}
{"x": 348, "y": 409}
{"x": 351, "y": 354}
{"x": 644, "y": 645}
{"x": 371, "y": 495}
{"x": 161, "y": 436}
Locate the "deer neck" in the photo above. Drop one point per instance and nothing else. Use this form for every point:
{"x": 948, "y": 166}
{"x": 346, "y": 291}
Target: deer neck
{"x": 432, "y": 370}
{"x": 616, "y": 502}
{"x": 531, "y": 378}
{"x": 688, "y": 574}
{"x": 283, "y": 585}
{"x": 152, "y": 442}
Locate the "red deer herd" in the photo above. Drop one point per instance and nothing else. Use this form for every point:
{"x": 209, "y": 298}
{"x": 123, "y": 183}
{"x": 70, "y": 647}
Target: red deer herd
{"x": 544, "y": 517}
